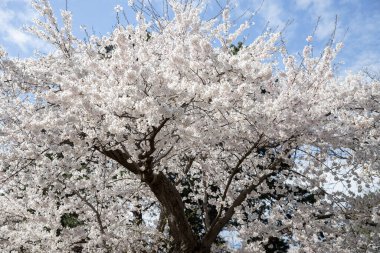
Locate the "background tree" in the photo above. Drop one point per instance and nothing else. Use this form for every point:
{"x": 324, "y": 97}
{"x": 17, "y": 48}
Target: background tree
{"x": 155, "y": 139}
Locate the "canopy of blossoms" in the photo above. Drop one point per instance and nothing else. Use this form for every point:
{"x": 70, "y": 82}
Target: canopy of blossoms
{"x": 159, "y": 136}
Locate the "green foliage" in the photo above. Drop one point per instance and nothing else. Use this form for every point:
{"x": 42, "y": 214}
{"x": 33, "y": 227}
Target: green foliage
{"x": 71, "y": 220}
{"x": 235, "y": 49}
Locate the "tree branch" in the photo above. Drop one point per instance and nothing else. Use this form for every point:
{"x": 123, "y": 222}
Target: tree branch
{"x": 237, "y": 166}
{"x": 164, "y": 190}
{"x": 220, "y": 222}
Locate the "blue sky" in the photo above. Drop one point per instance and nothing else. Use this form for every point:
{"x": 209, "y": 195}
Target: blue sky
{"x": 358, "y": 24}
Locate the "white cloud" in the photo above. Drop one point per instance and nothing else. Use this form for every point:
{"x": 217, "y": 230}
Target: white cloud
{"x": 20, "y": 38}
{"x": 303, "y": 4}
{"x": 363, "y": 41}
{"x": 317, "y": 5}
{"x": 12, "y": 18}
{"x": 272, "y": 12}
{"x": 326, "y": 12}
{"x": 367, "y": 59}
{"x": 361, "y": 50}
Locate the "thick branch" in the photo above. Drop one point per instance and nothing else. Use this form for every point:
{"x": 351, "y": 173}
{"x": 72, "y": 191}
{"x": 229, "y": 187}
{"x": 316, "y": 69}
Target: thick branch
{"x": 122, "y": 158}
{"x": 217, "y": 226}
{"x": 152, "y": 137}
{"x": 164, "y": 190}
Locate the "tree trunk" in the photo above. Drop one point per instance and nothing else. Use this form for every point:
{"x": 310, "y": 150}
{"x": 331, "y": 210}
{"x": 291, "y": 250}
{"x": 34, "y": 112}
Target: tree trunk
{"x": 170, "y": 199}
{"x": 185, "y": 241}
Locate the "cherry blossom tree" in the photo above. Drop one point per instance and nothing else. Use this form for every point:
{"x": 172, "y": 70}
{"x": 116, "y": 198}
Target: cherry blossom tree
{"x": 161, "y": 135}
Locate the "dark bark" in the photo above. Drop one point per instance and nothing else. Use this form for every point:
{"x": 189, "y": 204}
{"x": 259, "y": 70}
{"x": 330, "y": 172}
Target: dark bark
{"x": 184, "y": 238}
{"x": 221, "y": 222}
{"x": 162, "y": 220}
{"x": 169, "y": 197}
